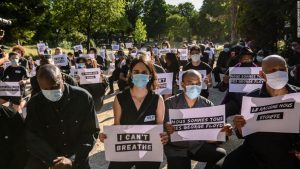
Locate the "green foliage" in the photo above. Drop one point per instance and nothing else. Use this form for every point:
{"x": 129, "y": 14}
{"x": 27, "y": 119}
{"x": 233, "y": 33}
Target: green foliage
{"x": 139, "y": 33}
{"x": 177, "y": 27}
{"x": 65, "y": 44}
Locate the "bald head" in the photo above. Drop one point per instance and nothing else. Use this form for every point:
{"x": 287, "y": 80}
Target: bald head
{"x": 49, "y": 76}
{"x": 273, "y": 63}
{"x": 191, "y": 73}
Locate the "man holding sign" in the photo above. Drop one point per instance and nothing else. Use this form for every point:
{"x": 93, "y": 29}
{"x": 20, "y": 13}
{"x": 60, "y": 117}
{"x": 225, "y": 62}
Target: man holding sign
{"x": 266, "y": 150}
{"x": 180, "y": 154}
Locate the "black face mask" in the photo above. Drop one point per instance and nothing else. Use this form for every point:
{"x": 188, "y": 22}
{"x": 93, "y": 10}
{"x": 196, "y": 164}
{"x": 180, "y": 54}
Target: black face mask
{"x": 247, "y": 64}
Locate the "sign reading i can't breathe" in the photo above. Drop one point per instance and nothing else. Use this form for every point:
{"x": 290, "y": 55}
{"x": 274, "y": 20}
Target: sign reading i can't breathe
{"x": 276, "y": 114}
{"x": 198, "y": 123}
{"x": 89, "y": 76}
{"x": 10, "y": 89}
{"x": 133, "y": 143}
{"x": 244, "y": 79}
{"x": 165, "y": 81}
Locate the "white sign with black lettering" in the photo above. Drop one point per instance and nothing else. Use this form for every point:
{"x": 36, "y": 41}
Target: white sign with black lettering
{"x": 89, "y": 76}
{"x": 278, "y": 114}
{"x": 10, "y": 89}
{"x": 87, "y": 56}
{"x": 115, "y": 47}
{"x": 60, "y": 60}
{"x": 102, "y": 53}
{"x": 41, "y": 48}
{"x": 74, "y": 73}
{"x": 165, "y": 81}
{"x": 203, "y": 74}
{"x": 133, "y": 143}
{"x": 128, "y": 45}
{"x": 198, "y": 123}
{"x": 78, "y": 48}
{"x": 183, "y": 53}
{"x": 164, "y": 52}
{"x": 244, "y": 79}
{"x": 155, "y": 51}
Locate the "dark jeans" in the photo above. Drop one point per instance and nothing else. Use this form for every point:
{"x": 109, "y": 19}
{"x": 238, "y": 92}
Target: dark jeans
{"x": 240, "y": 158}
{"x": 217, "y": 71}
{"x": 210, "y": 153}
{"x": 112, "y": 78}
{"x": 138, "y": 165}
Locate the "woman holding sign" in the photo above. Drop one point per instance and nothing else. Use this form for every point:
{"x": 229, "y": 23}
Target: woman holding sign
{"x": 139, "y": 105}
{"x": 180, "y": 154}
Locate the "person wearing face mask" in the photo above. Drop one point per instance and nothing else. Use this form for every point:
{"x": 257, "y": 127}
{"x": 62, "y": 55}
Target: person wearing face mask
{"x": 61, "y": 124}
{"x": 180, "y": 154}
{"x": 197, "y": 64}
{"x": 21, "y": 51}
{"x": 266, "y": 150}
{"x": 139, "y": 105}
{"x": 233, "y": 101}
{"x": 15, "y": 73}
{"x": 222, "y": 64}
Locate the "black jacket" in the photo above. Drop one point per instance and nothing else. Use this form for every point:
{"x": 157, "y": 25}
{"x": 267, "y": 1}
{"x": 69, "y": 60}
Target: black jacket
{"x": 67, "y": 128}
{"x": 13, "y": 153}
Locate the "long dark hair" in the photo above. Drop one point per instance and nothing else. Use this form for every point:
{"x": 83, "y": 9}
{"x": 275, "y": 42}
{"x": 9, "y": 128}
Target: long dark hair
{"x": 174, "y": 67}
{"x": 152, "y": 84}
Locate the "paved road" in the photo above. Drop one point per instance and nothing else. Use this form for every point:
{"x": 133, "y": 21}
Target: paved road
{"x": 105, "y": 116}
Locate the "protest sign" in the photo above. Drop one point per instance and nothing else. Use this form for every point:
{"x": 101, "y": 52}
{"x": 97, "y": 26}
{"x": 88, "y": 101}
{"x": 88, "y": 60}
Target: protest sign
{"x": 41, "y": 48}
{"x": 165, "y": 81}
{"x": 278, "y": 114}
{"x": 155, "y": 51}
{"x": 128, "y": 45}
{"x": 10, "y": 89}
{"x": 6, "y": 64}
{"x": 89, "y": 76}
{"x": 164, "y": 52}
{"x": 174, "y": 50}
{"x": 74, "y": 73}
{"x": 183, "y": 53}
{"x": 78, "y": 48}
{"x": 198, "y": 123}
{"x": 203, "y": 74}
{"x": 133, "y": 143}
{"x": 61, "y": 60}
{"x": 244, "y": 79}
{"x": 102, "y": 53}
{"x": 87, "y": 56}
{"x": 115, "y": 47}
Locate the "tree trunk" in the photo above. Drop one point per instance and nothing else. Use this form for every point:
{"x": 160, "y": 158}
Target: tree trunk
{"x": 233, "y": 13}
{"x": 88, "y": 32}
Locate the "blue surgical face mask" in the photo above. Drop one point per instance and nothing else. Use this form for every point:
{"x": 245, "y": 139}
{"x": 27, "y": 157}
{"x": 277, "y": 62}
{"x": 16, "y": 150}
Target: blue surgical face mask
{"x": 193, "y": 91}
{"x": 81, "y": 65}
{"x": 140, "y": 80}
{"x": 53, "y": 95}
{"x": 15, "y": 62}
{"x": 226, "y": 49}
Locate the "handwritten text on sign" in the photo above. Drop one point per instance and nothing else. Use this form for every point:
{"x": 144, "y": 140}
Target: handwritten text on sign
{"x": 275, "y": 114}
{"x": 133, "y": 143}
{"x": 244, "y": 79}
{"x": 10, "y": 89}
{"x": 198, "y": 123}
{"x": 165, "y": 81}
{"x": 89, "y": 76}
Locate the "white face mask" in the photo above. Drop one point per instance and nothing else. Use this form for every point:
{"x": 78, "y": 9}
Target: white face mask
{"x": 196, "y": 57}
{"x": 277, "y": 80}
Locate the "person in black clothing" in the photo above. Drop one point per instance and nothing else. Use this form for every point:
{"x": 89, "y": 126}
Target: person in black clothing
{"x": 123, "y": 78}
{"x": 71, "y": 59}
{"x": 197, "y": 64}
{"x": 222, "y": 64}
{"x": 21, "y": 51}
{"x": 266, "y": 150}
{"x": 15, "y": 73}
{"x": 61, "y": 124}
{"x": 172, "y": 66}
{"x": 13, "y": 154}
{"x": 139, "y": 105}
{"x": 294, "y": 58}
{"x": 35, "y": 87}
{"x": 233, "y": 100}
{"x": 234, "y": 52}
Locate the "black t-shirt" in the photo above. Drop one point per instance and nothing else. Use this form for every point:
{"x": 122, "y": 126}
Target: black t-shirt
{"x": 202, "y": 66}
{"x": 14, "y": 74}
{"x": 124, "y": 70}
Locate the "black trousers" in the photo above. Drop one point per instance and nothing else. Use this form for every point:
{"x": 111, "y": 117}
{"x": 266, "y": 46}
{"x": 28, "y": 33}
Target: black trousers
{"x": 210, "y": 153}
{"x": 217, "y": 71}
{"x": 138, "y": 165}
{"x": 240, "y": 158}
{"x": 114, "y": 77}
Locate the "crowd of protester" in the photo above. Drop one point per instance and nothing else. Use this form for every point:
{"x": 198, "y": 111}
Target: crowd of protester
{"x": 54, "y": 125}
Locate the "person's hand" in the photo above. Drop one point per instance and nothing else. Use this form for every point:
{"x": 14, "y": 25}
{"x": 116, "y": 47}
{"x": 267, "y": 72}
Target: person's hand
{"x": 62, "y": 163}
{"x": 297, "y": 154}
{"x": 226, "y": 79}
{"x": 164, "y": 138}
{"x": 102, "y": 137}
{"x": 205, "y": 80}
{"x": 169, "y": 128}
{"x": 239, "y": 122}
{"x": 227, "y": 129}
{"x": 22, "y": 82}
